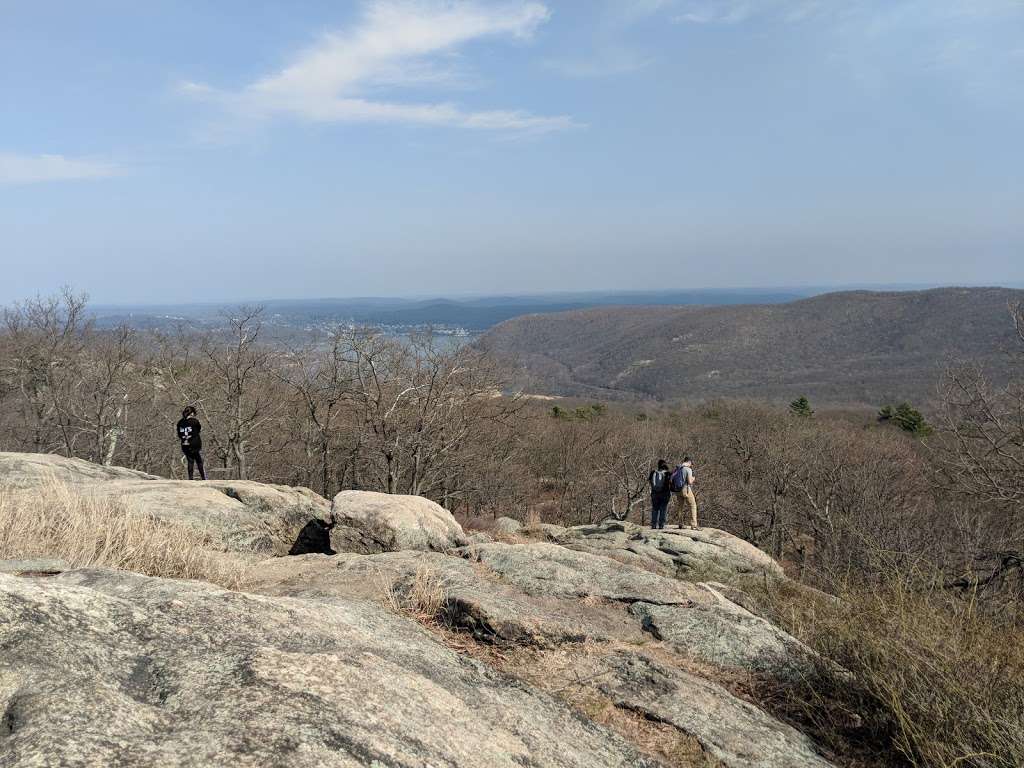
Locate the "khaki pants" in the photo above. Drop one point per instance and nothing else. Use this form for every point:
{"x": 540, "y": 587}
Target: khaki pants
{"x": 686, "y": 497}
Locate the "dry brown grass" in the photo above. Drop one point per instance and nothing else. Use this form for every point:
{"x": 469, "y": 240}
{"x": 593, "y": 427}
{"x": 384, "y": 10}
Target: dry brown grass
{"x": 86, "y": 530}
{"x": 936, "y": 683}
{"x": 423, "y": 599}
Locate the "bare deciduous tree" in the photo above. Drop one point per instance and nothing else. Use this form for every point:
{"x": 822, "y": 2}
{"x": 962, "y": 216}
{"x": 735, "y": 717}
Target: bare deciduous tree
{"x": 986, "y": 424}
{"x": 320, "y": 379}
{"x": 982, "y": 449}
{"x": 421, "y": 406}
{"x": 104, "y": 389}
{"x": 626, "y": 458}
{"x": 45, "y": 338}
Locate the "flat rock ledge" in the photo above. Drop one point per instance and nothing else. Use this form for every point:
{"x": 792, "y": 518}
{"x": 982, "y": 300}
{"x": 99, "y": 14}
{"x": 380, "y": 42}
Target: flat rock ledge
{"x": 102, "y": 668}
{"x": 707, "y": 554}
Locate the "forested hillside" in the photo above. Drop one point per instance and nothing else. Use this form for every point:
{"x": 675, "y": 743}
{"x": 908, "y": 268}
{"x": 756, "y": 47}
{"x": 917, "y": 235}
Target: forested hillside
{"x": 852, "y": 347}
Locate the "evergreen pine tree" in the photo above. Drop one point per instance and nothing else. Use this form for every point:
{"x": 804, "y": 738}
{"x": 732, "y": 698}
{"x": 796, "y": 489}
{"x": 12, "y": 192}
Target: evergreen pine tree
{"x": 910, "y": 420}
{"x": 907, "y": 418}
{"x": 801, "y": 407}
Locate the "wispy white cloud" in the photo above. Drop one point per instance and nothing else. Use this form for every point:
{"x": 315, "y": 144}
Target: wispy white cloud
{"x": 397, "y": 43}
{"x": 34, "y": 169}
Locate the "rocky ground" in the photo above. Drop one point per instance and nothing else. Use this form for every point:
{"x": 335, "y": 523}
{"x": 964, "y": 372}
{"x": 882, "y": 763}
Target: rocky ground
{"x": 390, "y": 638}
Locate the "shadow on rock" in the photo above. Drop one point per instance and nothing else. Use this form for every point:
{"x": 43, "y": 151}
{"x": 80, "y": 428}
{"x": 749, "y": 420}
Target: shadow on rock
{"x": 313, "y": 539}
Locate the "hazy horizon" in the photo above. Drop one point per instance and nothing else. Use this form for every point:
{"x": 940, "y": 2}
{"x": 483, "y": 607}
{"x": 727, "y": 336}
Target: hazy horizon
{"x": 800, "y": 290}
{"x": 158, "y": 153}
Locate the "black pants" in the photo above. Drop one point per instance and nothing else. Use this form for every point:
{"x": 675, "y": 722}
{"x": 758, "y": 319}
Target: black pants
{"x": 195, "y": 459}
{"x": 659, "y": 510}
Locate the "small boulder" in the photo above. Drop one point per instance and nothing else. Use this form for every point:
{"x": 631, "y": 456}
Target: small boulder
{"x": 367, "y": 522}
{"x": 507, "y": 525}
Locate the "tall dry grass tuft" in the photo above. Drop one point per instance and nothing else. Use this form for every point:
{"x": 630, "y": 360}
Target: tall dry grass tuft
{"x": 85, "y": 530}
{"x": 935, "y": 682}
{"x": 424, "y": 598}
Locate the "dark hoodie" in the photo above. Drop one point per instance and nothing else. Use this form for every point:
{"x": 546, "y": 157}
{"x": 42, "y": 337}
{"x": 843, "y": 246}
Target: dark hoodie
{"x": 188, "y": 431}
{"x": 659, "y": 482}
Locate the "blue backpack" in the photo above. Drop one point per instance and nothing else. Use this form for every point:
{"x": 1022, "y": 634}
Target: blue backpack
{"x": 678, "y": 480}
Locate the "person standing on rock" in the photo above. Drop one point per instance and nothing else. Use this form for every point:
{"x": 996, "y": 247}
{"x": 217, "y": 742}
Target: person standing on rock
{"x": 682, "y": 486}
{"x": 661, "y": 494}
{"x": 188, "y": 431}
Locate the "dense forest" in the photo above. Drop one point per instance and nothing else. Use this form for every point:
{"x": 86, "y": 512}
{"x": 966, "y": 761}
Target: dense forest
{"x": 852, "y": 347}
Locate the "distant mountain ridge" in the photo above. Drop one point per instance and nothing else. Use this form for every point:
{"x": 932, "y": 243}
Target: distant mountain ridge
{"x": 847, "y": 347}
{"x": 474, "y": 314}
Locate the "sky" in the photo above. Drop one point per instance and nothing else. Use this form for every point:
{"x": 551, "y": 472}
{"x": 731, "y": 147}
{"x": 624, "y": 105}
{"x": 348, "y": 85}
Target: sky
{"x": 177, "y": 150}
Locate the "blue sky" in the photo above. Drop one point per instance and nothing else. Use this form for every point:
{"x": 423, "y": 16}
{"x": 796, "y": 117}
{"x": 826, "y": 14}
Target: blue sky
{"x": 240, "y": 149}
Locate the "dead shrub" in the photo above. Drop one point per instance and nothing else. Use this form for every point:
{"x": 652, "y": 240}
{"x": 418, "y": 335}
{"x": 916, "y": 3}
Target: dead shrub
{"x": 935, "y": 682}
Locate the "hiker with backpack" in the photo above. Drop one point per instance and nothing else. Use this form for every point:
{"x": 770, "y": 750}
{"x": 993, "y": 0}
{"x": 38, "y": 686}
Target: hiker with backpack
{"x": 661, "y": 494}
{"x": 682, "y": 486}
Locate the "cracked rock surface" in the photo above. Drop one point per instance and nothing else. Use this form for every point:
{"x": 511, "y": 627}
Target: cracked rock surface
{"x": 707, "y": 554}
{"x": 543, "y": 569}
{"x": 101, "y": 668}
{"x": 735, "y": 732}
{"x": 727, "y": 635}
{"x": 476, "y": 600}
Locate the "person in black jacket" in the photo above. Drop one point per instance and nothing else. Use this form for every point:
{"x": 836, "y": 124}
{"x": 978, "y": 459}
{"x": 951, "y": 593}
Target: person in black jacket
{"x": 661, "y": 494}
{"x": 189, "y": 433}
